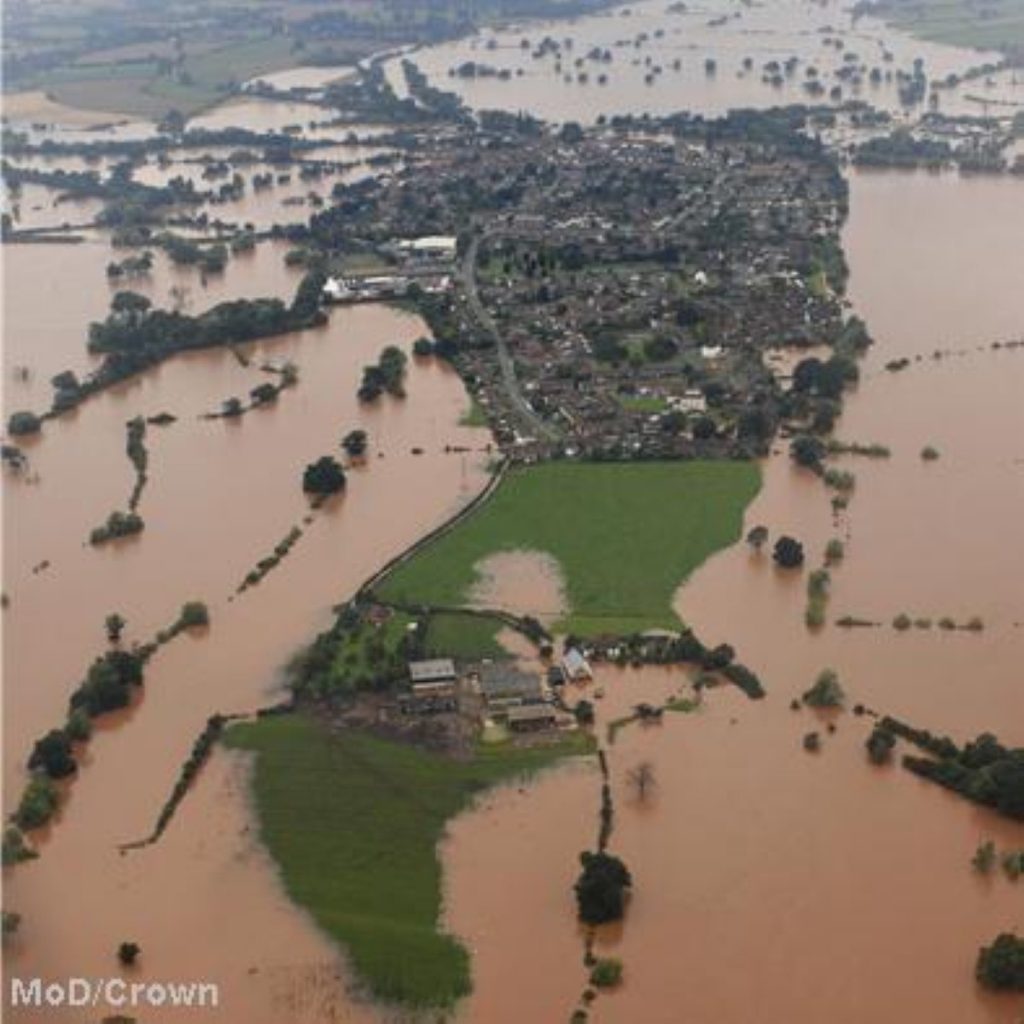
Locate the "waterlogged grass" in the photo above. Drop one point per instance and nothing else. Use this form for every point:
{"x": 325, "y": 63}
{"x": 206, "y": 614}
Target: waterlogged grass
{"x": 958, "y": 22}
{"x": 354, "y": 821}
{"x": 625, "y": 535}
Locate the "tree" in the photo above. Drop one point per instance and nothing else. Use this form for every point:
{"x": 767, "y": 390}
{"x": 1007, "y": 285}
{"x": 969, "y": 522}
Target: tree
{"x": 826, "y": 691}
{"x": 194, "y": 613}
{"x": 115, "y": 626}
{"x": 128, "y": 953}
{"x": 325, "y": 476}
{"x": 808, "y": 451}
{"x": 355, "y": 443}
{"x": 52, "y": 755}
{"x": 641, "y": 780}
{"x": 879, "y": 744}
{"x": 423, "y": 347}
{"x": 1001, "y": 965}
{"x": 606, "y": 973}
{"x": 584, "y": 712}
{"x": 984, "y": 858}
{"x": 37, "y": 804}
{"x": 601, "y": 888}
{"x": 131, "y": 304}
{"x": 758, "y": 537}
{"x": 788, "y": 553}
{"x": 23, "y": 422}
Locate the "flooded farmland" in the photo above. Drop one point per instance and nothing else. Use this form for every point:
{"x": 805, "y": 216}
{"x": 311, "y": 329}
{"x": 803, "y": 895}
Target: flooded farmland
{"x": 771, "y": 883}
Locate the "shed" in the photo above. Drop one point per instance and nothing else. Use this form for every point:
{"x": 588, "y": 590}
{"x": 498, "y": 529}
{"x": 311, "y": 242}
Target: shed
{"x": 530, "y": 717}
{"x": 435, "y": 670}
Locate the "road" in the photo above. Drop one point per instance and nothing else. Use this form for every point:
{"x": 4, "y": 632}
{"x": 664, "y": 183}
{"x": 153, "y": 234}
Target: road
{"x": 506, "y": 364}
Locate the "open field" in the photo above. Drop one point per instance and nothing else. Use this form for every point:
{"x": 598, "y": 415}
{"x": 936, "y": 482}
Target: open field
{"x": 451, "y": 635}
{"x": 354, "y": 822}
{"x": 625, "y": 536}
{"x": 987, "y": 25}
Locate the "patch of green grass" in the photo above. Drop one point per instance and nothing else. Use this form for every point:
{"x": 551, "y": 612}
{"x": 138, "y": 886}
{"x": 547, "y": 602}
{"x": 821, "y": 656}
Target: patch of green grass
{"x": 354, "y": 822}
{"x": 625, "y": 535}
{"x": 472, "y": 637}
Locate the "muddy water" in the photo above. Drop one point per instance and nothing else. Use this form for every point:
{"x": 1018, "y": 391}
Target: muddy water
{"x": 763, "y": 33}
{"x": 203, "y": 903}
{"x": 772, "y": 884}
{"x": 520, "y": 582}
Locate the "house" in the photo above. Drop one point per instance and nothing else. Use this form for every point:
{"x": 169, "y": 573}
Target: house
{"x": 436, "y": 247}
{"x": 575, "y": 666}
{"x": 692, "y": 400}
{"x": 337, "y": 290}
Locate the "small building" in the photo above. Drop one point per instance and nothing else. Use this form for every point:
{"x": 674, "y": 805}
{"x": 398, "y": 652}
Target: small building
{"x": 692, "y": 400}
{"x": 432, "y": 672}
{"x": 337, "y": 290}
{"x": 435, "y": 247}
{"x": 531, "y": 717}
{"x": 575, "y": 666}
{"x": 503, "y": 686}
{"x": 556, "y": 676}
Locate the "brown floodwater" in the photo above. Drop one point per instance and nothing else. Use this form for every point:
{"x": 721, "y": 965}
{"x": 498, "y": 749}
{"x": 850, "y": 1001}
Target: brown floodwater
{"x": 718, "y": 29}
{"x": 770, "y": 884}
{"x": 773, "y": 884}
{"x": 202, "y": 903}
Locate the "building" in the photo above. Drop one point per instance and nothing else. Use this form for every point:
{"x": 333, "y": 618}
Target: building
{"x": 431, "y": 247}
{"x": 575, "y": 666}
{"x": 434, "y": 672}
{"x": 531, "y": 717}
{"x": 504, "y": 686}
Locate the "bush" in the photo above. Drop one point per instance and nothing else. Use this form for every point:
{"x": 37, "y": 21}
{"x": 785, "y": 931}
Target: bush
{"x": 21, "y": 423}
{"x": 194, "y": 613}
{"x": 879, "y": 744}
{"x": 15, "y": 849}
{"x": 929, "y": 454}
{"x": 901, "y": 622}
{"x": 606, "y": 973}
{"x": 1001, "y": 965}
{"x": 52, "y": 755}
{"x": 38, "y": 803}
{"x": 118, "y": 524}
{"x": 128, "y": 953}
{"x": 826, "y": 691}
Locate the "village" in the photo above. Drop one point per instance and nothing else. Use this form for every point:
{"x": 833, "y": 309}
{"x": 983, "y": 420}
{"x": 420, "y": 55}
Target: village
{"x": 628, "y": 291}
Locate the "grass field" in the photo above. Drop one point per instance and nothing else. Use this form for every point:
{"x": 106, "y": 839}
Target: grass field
{"x": 451, "y": 635}
{"x": 994, "y": 25}
{"x": 625, "y": 536}
{"x": 354, "y": 822}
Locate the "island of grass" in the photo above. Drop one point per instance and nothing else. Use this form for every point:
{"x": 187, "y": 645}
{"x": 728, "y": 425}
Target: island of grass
{"x": 957, "y": 22}
{"x": 354, "y": 821}
{"x": 625, "y": 535}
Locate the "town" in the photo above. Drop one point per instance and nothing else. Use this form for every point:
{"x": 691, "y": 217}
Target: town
{"x": 635, "y": 290}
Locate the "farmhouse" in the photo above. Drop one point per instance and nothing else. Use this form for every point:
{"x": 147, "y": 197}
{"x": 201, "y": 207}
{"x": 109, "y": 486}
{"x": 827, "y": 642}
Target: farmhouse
{"x": 575, "y": 666}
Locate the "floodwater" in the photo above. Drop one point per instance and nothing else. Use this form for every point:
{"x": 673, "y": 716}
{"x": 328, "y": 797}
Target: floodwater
{"x": 770, "y": 884}
{"x": 521, "y": 582}
{"x": 773, "y": 884}
{"x": 221, "y": 494}
{"x": 645, "y": 44}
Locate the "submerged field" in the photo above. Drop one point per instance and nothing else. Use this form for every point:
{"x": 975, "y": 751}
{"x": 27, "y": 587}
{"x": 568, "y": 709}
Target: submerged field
{"x": 353, "y": 822}
{"x": 624, "y": 535}
{"x": 997, "y": 25}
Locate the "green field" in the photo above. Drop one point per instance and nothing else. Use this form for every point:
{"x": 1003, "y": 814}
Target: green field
{"x": 470, "y": 637}
{"x": 354, "y": 822}
{"x": 992, "y": 25}
{"x": 625, "y": 535}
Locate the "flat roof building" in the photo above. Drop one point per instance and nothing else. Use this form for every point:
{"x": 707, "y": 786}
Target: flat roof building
{"x": 434, "y": 670}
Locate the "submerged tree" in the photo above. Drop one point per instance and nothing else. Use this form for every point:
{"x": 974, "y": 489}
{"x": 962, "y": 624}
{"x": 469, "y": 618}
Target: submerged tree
{"x": 641, "y": 780}
{"x": 601, "y": 888}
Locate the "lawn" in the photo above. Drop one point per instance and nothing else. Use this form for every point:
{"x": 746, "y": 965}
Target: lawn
{"x": 625, "y": 536}
{"x": 353, "y": 822}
